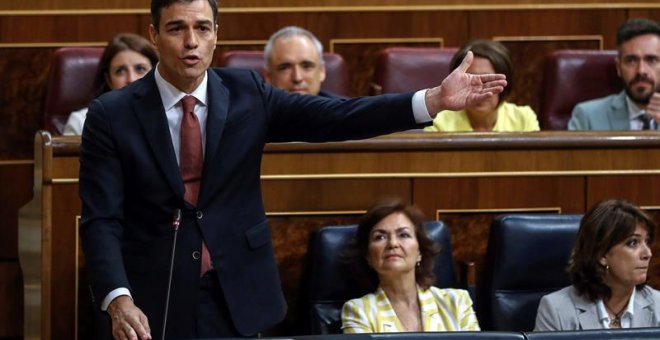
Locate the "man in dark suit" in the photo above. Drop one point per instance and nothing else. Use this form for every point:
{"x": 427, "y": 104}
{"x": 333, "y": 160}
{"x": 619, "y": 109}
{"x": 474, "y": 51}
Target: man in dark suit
{"x": 182, "y": 147}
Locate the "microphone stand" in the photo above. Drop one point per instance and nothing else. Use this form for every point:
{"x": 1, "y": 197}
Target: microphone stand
{"x": 176, "y": 222}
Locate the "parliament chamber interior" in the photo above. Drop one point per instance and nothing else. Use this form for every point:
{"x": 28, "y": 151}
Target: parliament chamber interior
{"x": 473, "y": 187}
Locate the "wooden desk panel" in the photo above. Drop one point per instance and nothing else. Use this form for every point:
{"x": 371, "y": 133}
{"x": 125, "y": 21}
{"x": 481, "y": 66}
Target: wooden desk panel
{"x": 469, "y": 205}
{"x": 15, "y": 191}
{"x": 463, "y": 179}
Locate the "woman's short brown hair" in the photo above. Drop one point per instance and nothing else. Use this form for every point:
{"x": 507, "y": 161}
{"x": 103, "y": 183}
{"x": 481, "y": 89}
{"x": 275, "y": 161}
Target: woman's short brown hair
{"x": 605, "y": 225}
{"x": 357, "y": 254}
{"x": 496, "y": 53}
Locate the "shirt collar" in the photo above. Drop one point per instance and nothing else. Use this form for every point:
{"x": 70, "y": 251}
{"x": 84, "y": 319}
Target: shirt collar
{"x": 604, "y": 317}
{"x": 171, "y": 96}
{"x": 633, "y": 110}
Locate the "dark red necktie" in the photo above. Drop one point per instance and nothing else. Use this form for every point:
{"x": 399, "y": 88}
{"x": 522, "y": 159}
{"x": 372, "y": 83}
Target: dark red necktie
{"x": 191, "y": 162}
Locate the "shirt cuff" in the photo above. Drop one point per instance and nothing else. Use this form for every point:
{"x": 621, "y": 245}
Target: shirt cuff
{"x": 420, "y": 111}
{"x": 113, "y": 295}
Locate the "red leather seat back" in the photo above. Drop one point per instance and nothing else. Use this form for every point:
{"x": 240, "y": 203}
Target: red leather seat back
{"x": 70, "y": 84}
{"x": 573, "y": 76}
{"x": 404, "y": 69}
{"x": 336, "y": 81}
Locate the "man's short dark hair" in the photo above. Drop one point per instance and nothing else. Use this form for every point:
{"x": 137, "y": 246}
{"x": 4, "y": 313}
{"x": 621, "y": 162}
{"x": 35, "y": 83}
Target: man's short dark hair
{"x": 158, "y": 5}
{"x": 636, "y": 27}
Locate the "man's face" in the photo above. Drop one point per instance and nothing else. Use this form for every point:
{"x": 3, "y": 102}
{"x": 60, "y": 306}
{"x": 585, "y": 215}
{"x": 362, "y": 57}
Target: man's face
{"x": 638, "y": 65}
{"x": 295, "y": 66}
{"x": 186, "y": 40}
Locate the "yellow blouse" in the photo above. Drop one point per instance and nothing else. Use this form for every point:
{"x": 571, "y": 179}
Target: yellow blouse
{"x": 442, "y": 310}
{"x": 510, "y": 117}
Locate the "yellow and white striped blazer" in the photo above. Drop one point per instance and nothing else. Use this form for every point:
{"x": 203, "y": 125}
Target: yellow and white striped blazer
{"x": 442, "y": 310}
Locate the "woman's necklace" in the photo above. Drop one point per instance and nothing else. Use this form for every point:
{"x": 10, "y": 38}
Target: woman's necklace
{"x": 615, "y": 321}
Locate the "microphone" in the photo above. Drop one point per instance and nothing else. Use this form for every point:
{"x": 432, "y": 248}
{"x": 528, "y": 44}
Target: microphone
{"x": 176, "y": 222}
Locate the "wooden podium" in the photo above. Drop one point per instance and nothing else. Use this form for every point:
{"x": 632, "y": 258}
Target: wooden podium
{"x": 463, "y": 179}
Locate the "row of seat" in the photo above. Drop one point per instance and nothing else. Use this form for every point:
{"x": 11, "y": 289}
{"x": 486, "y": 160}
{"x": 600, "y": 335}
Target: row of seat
{"x": 527, "y": 257}
{"x": 571, "y": 76}
{"x": 619, "y": 334}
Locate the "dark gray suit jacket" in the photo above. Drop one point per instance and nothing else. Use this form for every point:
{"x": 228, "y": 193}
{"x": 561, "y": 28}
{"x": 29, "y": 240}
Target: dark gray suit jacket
{"x": 565, "y": 310}
{"x": 130, "y": 187}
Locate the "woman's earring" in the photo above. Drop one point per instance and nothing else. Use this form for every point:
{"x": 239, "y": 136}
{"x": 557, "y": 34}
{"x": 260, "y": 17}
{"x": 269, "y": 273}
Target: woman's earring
{"x": 419, "y": 263}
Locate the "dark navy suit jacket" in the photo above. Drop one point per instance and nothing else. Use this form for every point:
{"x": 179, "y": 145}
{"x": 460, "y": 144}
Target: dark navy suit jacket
{"x": 130, "y": 187}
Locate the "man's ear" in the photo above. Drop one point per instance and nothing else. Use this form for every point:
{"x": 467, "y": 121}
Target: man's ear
{"x": 267, "y": 76}
{"x": 216, "y": 37}
{"x": 322, "y": 72}
{"x": 617, "y": 62}
{"x": 153, "y": 33}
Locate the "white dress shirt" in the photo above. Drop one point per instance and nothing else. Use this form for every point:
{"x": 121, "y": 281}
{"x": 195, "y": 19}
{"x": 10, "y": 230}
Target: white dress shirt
{"x": 626, "y": 316}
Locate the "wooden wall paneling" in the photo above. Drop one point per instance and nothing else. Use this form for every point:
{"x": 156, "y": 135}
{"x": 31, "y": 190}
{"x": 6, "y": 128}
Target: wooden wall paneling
{"x": 528, "y": 54}
{"x": 307, "y": 195}
{"x": 469, "y": 205}
{"x": 34, "y": 245}
{"x": 290, "y": 235}
{"x": 258, "y": 25}
{"x": 561, "y": 22}
{"x": 68, "y": 28}
{"x": 225, "y": 46}
{"x": 11, "y": 308}
{"x": 465, "y": 163}
{"x": 240, "y": 4}
{"x": 361, "y": 55}
{"x": 648, "y": 13}
{"x": 65, "y": 264}
{"x": 408, "y": 3}
{"x": 72, "y": 4}
{"x": 26, "y": 70}
{"x": 48, "y": 243}
{"x": 641, "y": 189}
{"x": 298, "y": 207}
{"x": 360, "y": 36}
{"x": 357, "y": 36}
{"x": 15, "y": 191}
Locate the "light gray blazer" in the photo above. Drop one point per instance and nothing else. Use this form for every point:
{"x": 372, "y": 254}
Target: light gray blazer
{"x": 607, "y": 113}
{"x": 565, "y": 310}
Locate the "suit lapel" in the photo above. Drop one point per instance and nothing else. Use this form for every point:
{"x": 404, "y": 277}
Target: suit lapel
{"x": 618, "y": 114}
{"x": 218, "y": 103}
{"x": 587, "y": 312}
{"x": 148, "y": 108}
{"x": 387, "y": 320}
{"x": 643, "y": 314}
{"x": 429, "y": 310}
